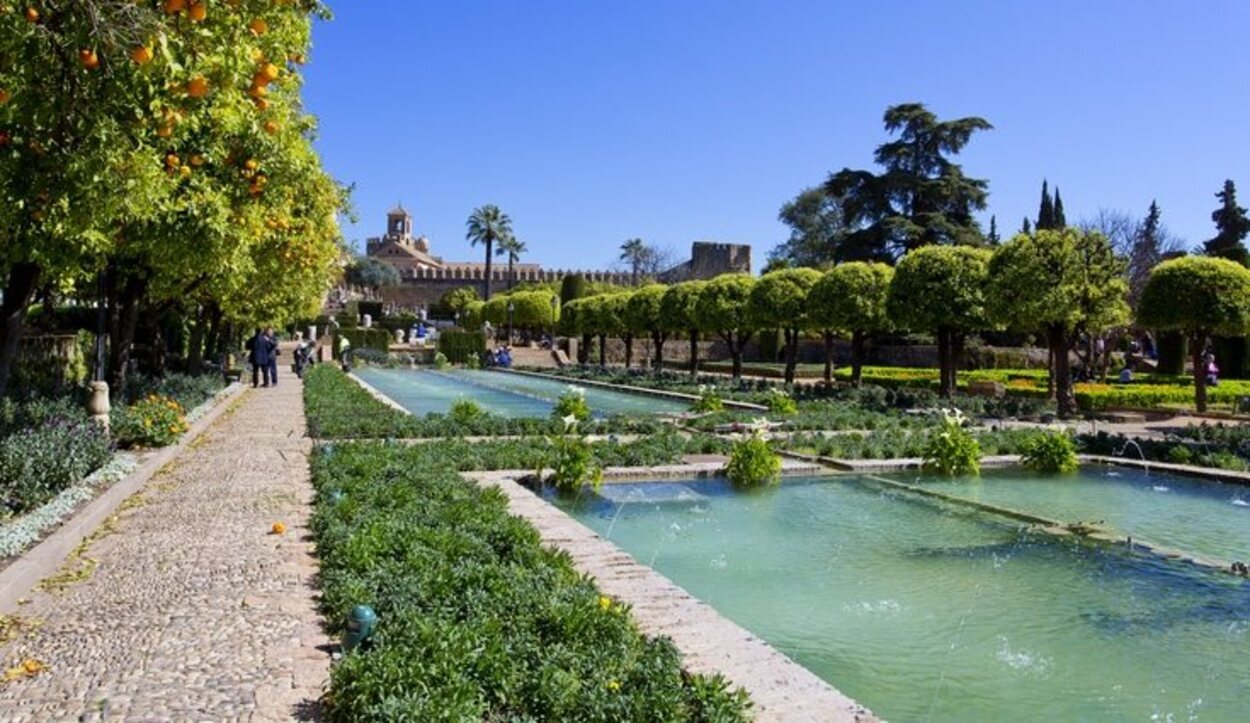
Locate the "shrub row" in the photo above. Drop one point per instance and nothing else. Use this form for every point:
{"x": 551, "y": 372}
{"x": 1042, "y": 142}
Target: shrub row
{"x": 337, "y": 407}
{"x": 459, "y": 346}
{"x": 477, "y": 619}
{"x": 361, "y": 338}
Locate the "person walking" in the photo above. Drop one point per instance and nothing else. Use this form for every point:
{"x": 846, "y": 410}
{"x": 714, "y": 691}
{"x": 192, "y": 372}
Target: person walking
{"x": 259, "y": 355}
{"x": 274, "y": 352}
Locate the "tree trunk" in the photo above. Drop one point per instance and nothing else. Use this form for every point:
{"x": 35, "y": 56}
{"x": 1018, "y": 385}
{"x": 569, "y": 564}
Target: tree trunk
{"x": 857, "y": 357}
{"x": 946, "y": 386}
{"x": 195, "y": 345}
{"x": 489, "y": 244}
{"x": 19, "y": 290}
{"x": 658, "y": 339}
{"x": 792, "y": 352}
{"x": 694, "y": 352}
{"x": 1061, "y": 372}
{"x": 603, "y": 350}
{"x": 1050, "y": 371}
{"x": 583, "y": 353}
{"x": 123, "y": 320}
{"x": 509, "y": 273}
{"x": 828, "y": 357}
{"x": 629, "y": 351}
{"x": 213, "y": 344}
{"x": 1198, "y": 343}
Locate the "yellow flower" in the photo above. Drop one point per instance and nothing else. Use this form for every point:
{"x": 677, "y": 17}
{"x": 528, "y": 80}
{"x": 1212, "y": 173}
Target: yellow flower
{"x": 613, "y": 686}
{"x": 605, "y": 602}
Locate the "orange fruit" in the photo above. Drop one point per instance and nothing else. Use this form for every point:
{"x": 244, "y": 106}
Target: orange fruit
{"x": 197, "y": 160}
{"x": 197, "y": 12}
{"x": 258, "y": 91}
{"x": 185, "y": 171}
{"x": 4, "y": 96}
{"x": 32, "y": 15}
{"x": 278, "y": 528}
{"x": 88, "y": 58}
{"x": 262, "y": 104}
{"x": 258, "y": 26}
{"x": 165, "y": 131}
{"x": 171, "y": 160}
{"x": 251, "y": 164}
{"x": 271, "y": 128}
{"x": 173, "y": 7}
{"x": 270, "y": 71}
{"x": 197, "y": 87}
{"x": 141, "y": 55}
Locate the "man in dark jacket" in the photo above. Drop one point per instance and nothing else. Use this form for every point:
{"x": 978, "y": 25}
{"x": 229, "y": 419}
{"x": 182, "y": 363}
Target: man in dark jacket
{"x": 260, "y": 350}
{"x": 272, "y": 336}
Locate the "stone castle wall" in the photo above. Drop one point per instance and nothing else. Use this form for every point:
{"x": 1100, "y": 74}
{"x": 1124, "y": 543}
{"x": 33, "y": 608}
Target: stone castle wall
{"x": 424, "y": 286}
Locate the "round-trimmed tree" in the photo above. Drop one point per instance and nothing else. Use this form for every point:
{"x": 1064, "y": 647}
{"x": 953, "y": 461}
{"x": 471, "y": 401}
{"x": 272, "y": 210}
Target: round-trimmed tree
{"x": 941, "y": 288}
{"x": 1063, "y": 282}
{"x": 779, "y": 300}
{"x": 724, "y": 307}
{"x": 643, "y": 315}
{"x": 1198, "y": 296}
{"x": 851, "y": 298}
{"x": 677, "y": 313}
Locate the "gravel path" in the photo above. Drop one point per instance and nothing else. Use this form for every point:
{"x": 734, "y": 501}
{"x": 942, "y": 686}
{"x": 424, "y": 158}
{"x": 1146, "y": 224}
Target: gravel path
{"x": 184, "y": 606}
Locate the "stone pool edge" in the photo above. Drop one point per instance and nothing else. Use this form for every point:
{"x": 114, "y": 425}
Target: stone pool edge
{"x": 643, "y": 391}
{"x": 781, "y": 689}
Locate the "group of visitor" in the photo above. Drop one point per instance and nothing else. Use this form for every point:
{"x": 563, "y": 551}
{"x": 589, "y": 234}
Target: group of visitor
{"x": 262, "y": 355}
{"x": 499, "y": 357}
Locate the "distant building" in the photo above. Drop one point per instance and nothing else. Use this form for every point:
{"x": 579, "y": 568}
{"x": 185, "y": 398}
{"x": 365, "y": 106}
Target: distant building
{"x": 427, "y": 277}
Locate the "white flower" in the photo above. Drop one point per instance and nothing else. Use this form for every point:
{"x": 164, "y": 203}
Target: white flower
{"x": 570, "y": 421}
{"x": 759, "y": 423}
{"x": 578, "y": 391}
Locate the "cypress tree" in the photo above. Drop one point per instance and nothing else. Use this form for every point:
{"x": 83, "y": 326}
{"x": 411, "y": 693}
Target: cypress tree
{"x": 1231, "y": 225}
{"x": 1046, "y": 212}
{"x": 1026, "y": 227}
{"x": 1060, "y": 221}
{"x": 993, "y": 235}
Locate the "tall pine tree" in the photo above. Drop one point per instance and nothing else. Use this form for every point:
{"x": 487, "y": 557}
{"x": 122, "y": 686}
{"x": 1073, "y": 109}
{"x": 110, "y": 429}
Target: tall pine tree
{"x": 1146, "y": 252}
{"x": 1231, "y": 226}
{"x": 1061, "y": 222}
{"x": 1046, "y": 212}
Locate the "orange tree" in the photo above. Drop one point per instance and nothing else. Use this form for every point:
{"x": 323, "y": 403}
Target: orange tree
{"x": 136, "y": 136}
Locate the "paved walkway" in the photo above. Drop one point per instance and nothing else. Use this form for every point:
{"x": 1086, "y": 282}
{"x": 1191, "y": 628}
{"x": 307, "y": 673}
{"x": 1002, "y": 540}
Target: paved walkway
{"x": 193, "y": 610}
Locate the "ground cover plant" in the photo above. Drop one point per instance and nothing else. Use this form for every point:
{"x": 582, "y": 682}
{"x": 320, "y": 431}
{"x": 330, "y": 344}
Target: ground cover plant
{"x": 338, "y": 407}
{"x": 477, "y": 619}
{"x": 46, "y": 445}
{"x": 897, "y": 443}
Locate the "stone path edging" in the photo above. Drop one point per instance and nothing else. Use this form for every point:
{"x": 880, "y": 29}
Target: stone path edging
{"x": 781, "y": 689}
{"x": 45, "y": 558}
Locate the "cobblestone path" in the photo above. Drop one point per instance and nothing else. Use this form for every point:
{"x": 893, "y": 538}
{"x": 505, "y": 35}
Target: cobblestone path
{"x": 193, "y": 609}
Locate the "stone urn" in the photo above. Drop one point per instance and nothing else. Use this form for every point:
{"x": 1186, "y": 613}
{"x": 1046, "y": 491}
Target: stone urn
{"x": 98, "y": 404}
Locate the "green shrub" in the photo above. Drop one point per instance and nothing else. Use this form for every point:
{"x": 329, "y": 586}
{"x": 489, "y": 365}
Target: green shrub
{"x": 572, "y": 462}
{"x": 752, "y": 463}
{"x": 572, "y": 404}
{"x": 440, "y": 361}
{"x": 465, "y": 411}
{"x": 781, "y": 403}
{"x": 950, "y": 449}
{"x": 1180, "y": 454}
{"x": 1051, "y": 452}
{"x": 154, "y": 421}
{"x": 361, "y": 338}
{"x": 478, "y": 620}
{"x": 458, "y": 345}
{"x": 38, "y": 462}
{"x": 708, "y": 401}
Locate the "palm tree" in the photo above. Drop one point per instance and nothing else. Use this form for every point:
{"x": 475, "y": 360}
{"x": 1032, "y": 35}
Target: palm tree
{"x": 487, "y": 225}
{"x": 634, "y": 252}
{"x": 513, "y": 247}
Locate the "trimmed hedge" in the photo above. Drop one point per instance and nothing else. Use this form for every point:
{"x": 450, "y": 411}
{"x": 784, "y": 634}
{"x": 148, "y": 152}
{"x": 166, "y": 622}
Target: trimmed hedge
{"x": 361, "y": 338}
{"x": 478, "y": 620}
{"x": 458, "y": 345}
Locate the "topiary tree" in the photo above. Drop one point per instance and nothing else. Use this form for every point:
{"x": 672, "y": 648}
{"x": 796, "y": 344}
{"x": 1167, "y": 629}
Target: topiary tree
{"x": 613, "y": 320}
{"x": 1198, "y": 296}
{"x": 643, "y": 315}
{"x": 576, "y": 320}
{"x": 473, "y": 316}
{"x": 941, "y": 288}
{"x": 779, "y": 300}
{"x": 677, "y": 313}
{"x": 851, "y": 298}
{"x": 724, "y": 307}
{"x": 1064, "y": 282}
{"x": 573, "y": 286}
{"x": 454, "y": 302}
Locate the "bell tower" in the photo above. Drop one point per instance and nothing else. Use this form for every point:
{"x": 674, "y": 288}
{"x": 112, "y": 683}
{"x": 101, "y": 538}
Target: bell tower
{"x": 399, "y": 225}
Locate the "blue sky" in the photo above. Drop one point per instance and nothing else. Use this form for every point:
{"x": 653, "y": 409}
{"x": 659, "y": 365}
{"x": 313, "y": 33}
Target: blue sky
{"x": 593, "y": 122}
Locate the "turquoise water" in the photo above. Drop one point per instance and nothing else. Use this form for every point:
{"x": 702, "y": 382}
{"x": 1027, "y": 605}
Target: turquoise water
{"x": 1200, "y": 517}
{"x": 422, "y": 391}
{"x": 929, "y": 613}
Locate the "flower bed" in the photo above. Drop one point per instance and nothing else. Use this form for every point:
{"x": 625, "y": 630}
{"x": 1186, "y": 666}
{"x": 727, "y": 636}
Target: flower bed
{"x": 45, "y": 446}
{"x": 477, "y": 619}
